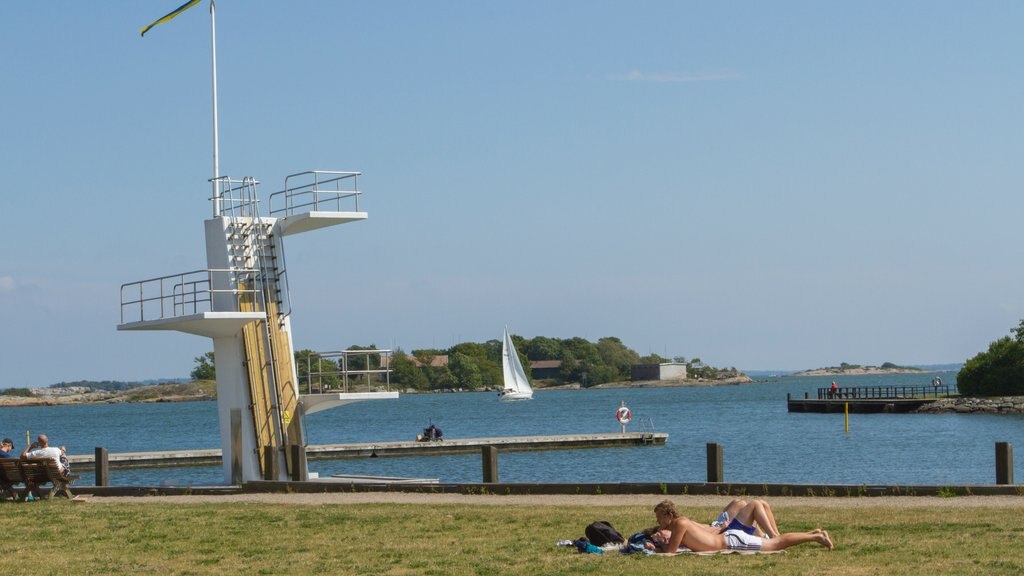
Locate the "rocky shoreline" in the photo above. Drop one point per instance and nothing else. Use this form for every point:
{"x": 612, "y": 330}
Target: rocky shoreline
{"x": 967, "y": 405}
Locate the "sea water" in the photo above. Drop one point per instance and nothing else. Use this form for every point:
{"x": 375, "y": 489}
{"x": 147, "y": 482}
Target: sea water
{"x": 761, "y": 441}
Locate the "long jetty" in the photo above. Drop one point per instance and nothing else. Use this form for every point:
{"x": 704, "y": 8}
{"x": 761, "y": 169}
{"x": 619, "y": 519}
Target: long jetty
{"x": 212, "y": 457}
{"x": 868, "y": 399}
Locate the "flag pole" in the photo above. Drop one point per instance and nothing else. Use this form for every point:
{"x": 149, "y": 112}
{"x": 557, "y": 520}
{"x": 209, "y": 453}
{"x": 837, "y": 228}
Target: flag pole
{"x": 216, "y": 164}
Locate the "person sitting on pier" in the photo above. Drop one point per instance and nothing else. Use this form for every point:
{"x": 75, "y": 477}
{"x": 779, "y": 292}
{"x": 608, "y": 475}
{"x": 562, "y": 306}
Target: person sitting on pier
{"x": 7, "y": 449}
{"x": 431, "y": 433}
{"x": 698, "y": 538}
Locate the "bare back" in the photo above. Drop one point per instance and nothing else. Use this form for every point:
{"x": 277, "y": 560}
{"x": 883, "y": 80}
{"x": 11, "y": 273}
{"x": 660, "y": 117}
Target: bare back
{"x": 696, "y": 537}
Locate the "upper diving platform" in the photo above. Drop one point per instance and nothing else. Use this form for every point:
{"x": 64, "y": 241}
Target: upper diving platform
{"x": 208, "y": 302}
{"x": 316, "y": 199}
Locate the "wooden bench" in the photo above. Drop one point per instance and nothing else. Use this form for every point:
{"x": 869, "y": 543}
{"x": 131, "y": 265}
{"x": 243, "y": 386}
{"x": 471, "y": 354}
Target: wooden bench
{"x": 33, "y": 472}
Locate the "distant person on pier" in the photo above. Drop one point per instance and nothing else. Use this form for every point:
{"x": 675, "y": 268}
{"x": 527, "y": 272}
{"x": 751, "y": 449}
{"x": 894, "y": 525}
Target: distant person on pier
{"x": 7, "y": 449}
{"x": 835, "y": 389}
{"x": 699, "y": 538}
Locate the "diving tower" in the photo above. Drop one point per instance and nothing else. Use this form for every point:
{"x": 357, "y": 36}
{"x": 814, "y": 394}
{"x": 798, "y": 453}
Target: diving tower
{"x": 242, "y": 302}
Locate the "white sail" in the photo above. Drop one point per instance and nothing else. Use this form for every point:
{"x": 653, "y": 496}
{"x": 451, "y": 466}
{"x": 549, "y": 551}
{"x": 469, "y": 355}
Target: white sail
{"x": 517, "y": 387}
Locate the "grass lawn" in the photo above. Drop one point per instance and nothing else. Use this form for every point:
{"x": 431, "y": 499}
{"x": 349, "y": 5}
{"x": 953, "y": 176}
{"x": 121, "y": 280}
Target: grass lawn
{"x": 61, "y": 537}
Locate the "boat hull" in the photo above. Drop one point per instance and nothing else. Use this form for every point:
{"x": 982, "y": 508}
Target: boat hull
{"x": 514, "y": 396}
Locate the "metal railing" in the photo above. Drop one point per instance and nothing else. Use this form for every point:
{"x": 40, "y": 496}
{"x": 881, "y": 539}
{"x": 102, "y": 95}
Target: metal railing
{"x": 181, "y": 294}
{"x": 883, "y": 392}
{"x": 316, "y": 190}
{"x": 235, "y": 197}
{"x": 346, "y": 371}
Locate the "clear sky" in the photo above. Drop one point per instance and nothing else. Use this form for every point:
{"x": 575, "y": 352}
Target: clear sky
{"x": 765, "y": 185}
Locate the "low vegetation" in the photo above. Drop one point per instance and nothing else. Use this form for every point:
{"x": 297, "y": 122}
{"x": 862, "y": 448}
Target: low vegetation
{"x": 61, "y": 537}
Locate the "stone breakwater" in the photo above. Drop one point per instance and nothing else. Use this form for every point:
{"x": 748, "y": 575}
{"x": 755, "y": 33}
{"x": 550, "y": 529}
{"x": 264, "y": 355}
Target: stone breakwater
{"x": 999, "y": 405}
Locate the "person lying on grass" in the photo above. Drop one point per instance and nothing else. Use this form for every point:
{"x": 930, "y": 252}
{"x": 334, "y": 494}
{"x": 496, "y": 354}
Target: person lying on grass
{"x": 702, "y": 538}
{"x": 755, "y": 518}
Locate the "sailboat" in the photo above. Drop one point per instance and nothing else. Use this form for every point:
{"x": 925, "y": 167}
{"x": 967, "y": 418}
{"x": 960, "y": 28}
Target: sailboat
{"x": 517, "y": 387}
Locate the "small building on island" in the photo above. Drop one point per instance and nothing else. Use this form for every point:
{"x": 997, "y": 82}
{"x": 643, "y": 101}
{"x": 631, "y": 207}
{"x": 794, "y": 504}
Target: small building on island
{"x": 663, "y": 371}
{"x": 545, "y": 369}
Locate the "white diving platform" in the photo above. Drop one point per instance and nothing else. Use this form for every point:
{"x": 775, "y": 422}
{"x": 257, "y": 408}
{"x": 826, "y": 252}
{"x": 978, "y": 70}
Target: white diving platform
{"x": 315, "y": 220}
{"x": 210, "y": 324}
{"x": 242, "y": 302}
{"x": 316, "y": 402}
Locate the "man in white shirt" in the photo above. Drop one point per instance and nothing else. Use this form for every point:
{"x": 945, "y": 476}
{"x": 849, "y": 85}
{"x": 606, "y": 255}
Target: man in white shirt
{"x": 41, "y": 449}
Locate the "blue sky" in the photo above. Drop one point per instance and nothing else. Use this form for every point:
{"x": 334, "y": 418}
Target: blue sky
{"x": 780, "y": 185}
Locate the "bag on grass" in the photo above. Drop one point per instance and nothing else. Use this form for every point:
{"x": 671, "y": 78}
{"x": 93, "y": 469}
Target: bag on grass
{"x": 601, "y": 533}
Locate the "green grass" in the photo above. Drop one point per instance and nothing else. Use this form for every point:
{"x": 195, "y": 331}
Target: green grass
{"x": 61, "y": 537}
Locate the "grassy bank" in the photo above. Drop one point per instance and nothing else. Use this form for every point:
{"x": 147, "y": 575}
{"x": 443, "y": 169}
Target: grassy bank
{"x": 61, "y": 537}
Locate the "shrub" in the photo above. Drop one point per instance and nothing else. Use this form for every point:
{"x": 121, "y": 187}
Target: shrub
{"x": 996, "y": 372}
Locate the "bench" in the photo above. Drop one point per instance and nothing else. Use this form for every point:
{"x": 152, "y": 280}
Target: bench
{"x": 33, "y": 472}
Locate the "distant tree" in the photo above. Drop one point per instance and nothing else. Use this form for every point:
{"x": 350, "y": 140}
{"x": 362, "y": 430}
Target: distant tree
{"x": 653, "y": 359}
{"x": 542, "y": 348}
{"x": 205, "y": 368}
{"x": 406, "y": 373}
{"x": 464, "y": 371}
{"x": 996, "y": 372}
{"x": 16, "y": 392}
{"x": 616, "y": 357}
{"x": 440, "y": 377}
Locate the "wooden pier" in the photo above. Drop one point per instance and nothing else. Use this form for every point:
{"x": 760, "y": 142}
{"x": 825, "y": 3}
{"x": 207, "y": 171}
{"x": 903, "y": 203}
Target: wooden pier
{"x": 868, "y": 399}
{"x": 379, "y": 449}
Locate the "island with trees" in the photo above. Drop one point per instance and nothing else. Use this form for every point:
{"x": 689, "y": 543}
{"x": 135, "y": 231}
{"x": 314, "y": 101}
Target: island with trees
{"x": 846, "y": 369}
{"x": 468, "y": 366}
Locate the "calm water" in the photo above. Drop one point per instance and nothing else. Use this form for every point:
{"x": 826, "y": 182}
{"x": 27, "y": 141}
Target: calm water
{"x": 762, "y": 442}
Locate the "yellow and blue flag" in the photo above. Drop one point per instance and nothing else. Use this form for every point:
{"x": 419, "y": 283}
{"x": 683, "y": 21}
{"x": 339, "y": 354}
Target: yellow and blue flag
{"x": 171, "y": 16}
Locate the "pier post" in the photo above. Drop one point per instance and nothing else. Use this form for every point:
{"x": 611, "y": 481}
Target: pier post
{"x": 102, "y": 467}
{"x": 490, "y": 461}
{"x": 1004, "y": 463}
{"x": 270, "y": 462}
{"x": 716, "y": 468}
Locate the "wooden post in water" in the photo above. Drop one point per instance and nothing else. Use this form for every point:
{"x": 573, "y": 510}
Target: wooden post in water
{"x": 102, "y": 467}
{"x": 490, "y": 461}
{"x": 716, "y": 467}
{"x": 1004, "y": 463}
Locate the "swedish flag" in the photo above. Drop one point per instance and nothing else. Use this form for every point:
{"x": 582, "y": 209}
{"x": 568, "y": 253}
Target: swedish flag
{"x": 171, "y": 16}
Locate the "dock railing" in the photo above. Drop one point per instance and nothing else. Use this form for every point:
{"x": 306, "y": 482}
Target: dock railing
{"x": 317, "y": 190}
{"x": 179, "y": 294}
{"x": 883, "y": 392}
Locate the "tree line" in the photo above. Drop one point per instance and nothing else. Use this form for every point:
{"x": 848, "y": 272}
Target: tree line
{"x": 477, "y": 366}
